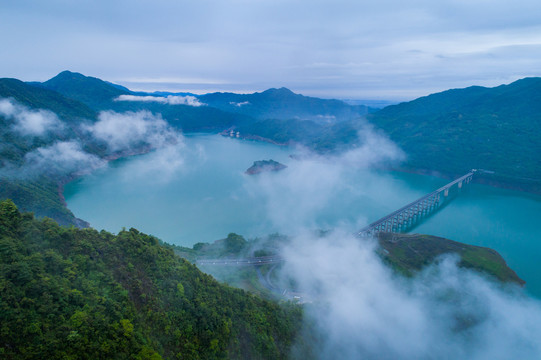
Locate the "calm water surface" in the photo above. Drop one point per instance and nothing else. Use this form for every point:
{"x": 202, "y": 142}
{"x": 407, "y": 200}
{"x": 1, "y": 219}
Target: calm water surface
{"x": 199, "y": 193}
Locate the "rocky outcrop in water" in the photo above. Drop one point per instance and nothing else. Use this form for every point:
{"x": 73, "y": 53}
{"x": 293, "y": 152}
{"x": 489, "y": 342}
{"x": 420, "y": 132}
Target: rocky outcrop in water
{"x": 264, "y": 166}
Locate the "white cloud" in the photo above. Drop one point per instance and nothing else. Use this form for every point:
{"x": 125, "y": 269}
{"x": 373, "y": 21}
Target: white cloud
{"x": 160, "y": 166}
{"x": 361, "y": 310}
{"x": 375, "y": 149}
{"x": 239, "y": 104}
{"x": 64, "y": 157}
{"x": 7, "y": 108}
{"x": 29, "y": 122}
{"x": 125, "y": 131}
{"x": 170, "y": 100}
{"x": 310, "y": 185}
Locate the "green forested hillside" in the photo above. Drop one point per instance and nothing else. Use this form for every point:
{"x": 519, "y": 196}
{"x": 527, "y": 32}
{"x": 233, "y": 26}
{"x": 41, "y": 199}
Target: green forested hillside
{"x": 36, "y": 192}
{"x": 38, "y": 97}
{"x": 84, "y": 294}
{"x": 410, "y": 253}
{"x": 33, "y": 100}
{"x": 41, "y": 197}
{"x": 322, "y": 138}
{"x": 496, "y": 129}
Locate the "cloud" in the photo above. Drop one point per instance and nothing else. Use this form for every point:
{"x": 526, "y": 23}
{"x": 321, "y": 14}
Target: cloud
{"x": 130, "y": 130}
{"x": 239, "y": 104}
{"x": 326, "y": 118}
{"x": 63, "y": 157}
{"x": 361, "y": 310}
{"x": 29, "y": 122}
{"x": 375, "y": 149}
{"x": 170, "y": 100}
{"x": 364, "y": 50}
{"x": 298, "y": 196}
{"x": 357, "y": 307}
{"x": 56, "y": 158}
{"x": 159, "y": 166}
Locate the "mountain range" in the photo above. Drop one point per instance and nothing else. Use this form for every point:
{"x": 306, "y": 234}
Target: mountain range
{"x": 495, "y": 129}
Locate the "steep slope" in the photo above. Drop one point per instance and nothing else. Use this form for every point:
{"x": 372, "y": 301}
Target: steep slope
{"x": 69, "y": 293}
{"x": 489, "y": 128}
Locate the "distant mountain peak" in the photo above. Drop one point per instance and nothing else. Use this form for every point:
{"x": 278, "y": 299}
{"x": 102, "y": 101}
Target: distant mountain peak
{"x": 67, "y": 75}
{"x": 280, "y": 91}
{"x": 91, "y": 91}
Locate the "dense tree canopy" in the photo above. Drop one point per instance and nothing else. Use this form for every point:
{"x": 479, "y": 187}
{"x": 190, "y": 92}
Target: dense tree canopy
{"x": 80, "y": 293}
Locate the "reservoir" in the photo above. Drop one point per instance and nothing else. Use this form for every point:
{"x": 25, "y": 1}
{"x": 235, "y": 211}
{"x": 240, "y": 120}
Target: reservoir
{"x": 198, "y": 192}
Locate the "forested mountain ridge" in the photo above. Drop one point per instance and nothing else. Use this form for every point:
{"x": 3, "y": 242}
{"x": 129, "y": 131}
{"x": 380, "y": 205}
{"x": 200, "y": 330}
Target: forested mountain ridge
{"x": 284, "y": 104}
{"x": 89, "y": 90}
{"x": 496, "y": 129}
{"x": 276, "y": 115}
{"x": 39, "y": 97}
{"x": 270, "y": 104}
{"x": 80, "y": 293}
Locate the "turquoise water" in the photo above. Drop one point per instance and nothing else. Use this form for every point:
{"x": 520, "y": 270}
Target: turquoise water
{"x": 199, "y": 193}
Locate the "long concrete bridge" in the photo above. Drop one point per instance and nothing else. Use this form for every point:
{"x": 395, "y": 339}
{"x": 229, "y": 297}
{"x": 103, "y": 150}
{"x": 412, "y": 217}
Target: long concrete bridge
{"x": 409, "y": 215}
{"x": 397, "y": 221}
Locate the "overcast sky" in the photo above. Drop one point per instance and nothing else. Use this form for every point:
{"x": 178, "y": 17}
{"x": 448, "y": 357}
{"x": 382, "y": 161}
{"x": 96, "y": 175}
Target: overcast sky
{"x": 356, "y": 49}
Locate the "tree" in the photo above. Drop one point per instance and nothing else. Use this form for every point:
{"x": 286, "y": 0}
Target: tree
{"x": 235, "y": 243}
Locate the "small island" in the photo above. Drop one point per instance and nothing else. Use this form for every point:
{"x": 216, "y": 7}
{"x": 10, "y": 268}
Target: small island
{"x": 264, "y": 166}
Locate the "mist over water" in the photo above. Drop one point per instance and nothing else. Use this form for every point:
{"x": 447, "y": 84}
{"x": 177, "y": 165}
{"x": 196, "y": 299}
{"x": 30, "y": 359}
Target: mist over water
{"x": 364, "y": 311}
{"x": 199, "y": 192}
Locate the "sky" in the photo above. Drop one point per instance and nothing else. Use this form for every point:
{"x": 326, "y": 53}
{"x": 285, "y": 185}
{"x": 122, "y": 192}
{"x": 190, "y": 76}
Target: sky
{"x": 347, "y": 49}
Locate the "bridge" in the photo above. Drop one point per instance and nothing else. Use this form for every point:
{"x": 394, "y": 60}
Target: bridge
{"x": 397, "y": 221}
{"x": 409, "y": 215}
{"x": 253, "y": 261}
